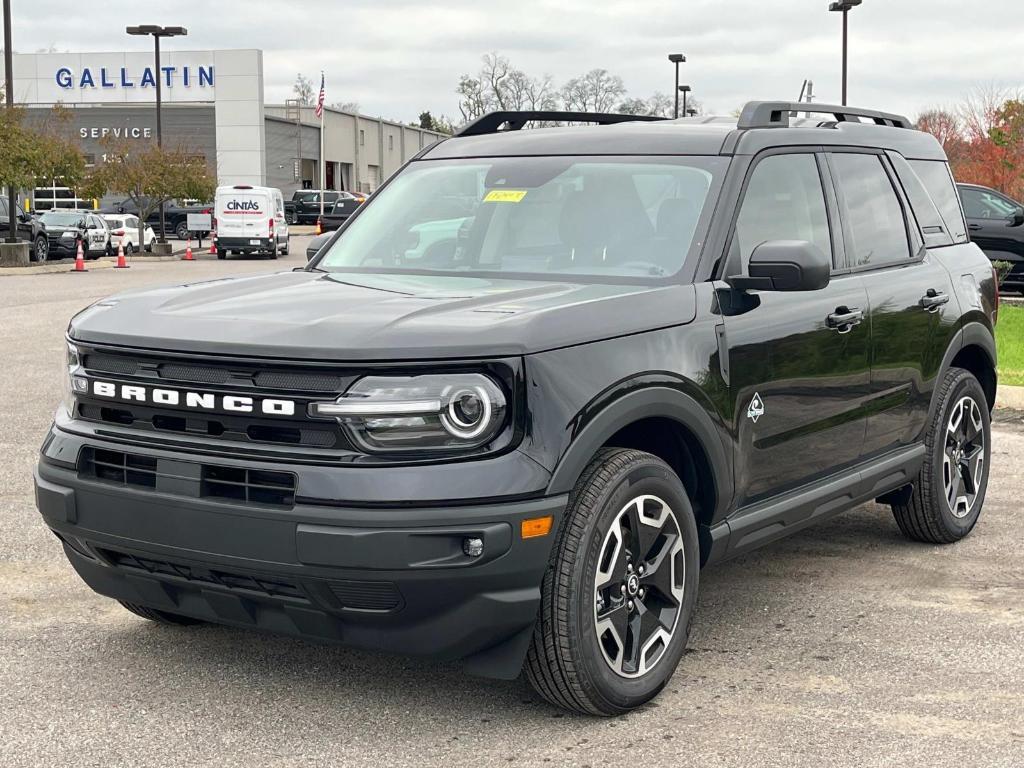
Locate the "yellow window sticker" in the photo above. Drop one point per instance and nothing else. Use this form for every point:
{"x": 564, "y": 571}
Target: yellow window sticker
{"x": 505, "y": 196}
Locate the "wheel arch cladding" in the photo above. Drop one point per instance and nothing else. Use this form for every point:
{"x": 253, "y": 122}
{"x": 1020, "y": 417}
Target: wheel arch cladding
{"x": 664, "y": 422}
{"x": 973, "y": 349}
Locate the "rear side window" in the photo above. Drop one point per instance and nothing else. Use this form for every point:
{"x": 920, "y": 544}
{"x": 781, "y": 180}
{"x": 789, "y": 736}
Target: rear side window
{"x": 873, "y": 223}
{"x": 784, "y": 201}
{"x": 929, "y": 220}
{"x": 934, "y": 174}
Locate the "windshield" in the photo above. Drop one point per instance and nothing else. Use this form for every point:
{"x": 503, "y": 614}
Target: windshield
{"x": 62, "y": 219}
{"x": 600, "y": 217}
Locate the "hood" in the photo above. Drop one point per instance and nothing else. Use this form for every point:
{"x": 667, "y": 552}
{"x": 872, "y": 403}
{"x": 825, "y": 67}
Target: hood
{"x": 345, "y": 316}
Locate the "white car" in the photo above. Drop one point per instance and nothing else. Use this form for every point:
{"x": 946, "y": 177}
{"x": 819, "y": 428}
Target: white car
{"x": 124, "y": 230}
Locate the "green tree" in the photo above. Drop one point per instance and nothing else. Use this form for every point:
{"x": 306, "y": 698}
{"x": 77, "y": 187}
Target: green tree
{"x": 32, "y": 152}
{"x": 149, "y": 175}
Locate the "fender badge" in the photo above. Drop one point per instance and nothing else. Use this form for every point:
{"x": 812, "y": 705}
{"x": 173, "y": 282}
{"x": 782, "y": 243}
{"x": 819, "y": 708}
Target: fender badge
{"x": 756, "y": 409}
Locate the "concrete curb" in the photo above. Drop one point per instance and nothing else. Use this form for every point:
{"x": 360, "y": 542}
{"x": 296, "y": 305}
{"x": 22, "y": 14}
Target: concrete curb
{"x": 104, "y": 262}
{"x": 1010, "y": 397}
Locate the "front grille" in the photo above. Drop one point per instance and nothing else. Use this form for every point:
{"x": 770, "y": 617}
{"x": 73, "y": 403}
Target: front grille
{"x": 269, "y": 376}
{"x": 236, "y": 582}
{"x": 297, "y": 382}
{"x": 220, "y": 426}
{"x": 184, "y": 478}
{"x": 366, "y": 595}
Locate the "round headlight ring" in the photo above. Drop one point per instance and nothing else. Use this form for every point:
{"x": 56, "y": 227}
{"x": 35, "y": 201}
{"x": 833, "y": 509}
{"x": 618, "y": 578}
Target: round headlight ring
{"x": 455, "y": 424}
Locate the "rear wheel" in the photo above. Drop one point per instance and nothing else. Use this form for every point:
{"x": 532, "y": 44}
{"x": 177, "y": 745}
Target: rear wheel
{"x": 181, "y": 231}
{"x": 129, "y": 249}
{"x": 221, "y": 253}
{"x": 949, "y": 492}
{"x": 161, "y": 617}
{"x": 619, "y": 592}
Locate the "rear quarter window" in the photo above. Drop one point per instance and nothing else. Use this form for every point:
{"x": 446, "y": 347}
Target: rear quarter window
{"x": 938, "y": 181}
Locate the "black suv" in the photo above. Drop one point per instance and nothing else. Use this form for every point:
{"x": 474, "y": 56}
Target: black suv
{"x": 30, "y": 230}
{"x": 511, "y": 429}
{"x": 996, "y": 224}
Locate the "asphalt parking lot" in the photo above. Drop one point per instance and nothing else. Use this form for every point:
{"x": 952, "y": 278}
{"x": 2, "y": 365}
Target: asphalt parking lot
{"x": 842, "y": 646}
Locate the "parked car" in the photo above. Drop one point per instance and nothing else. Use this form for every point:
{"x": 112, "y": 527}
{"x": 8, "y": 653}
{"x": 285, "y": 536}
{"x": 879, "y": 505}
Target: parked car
{"x": 250, "y": 220}
{"x": 304, "y": 207}
{"x": 339, "y": 212}
{"x": 65, "y": 229}
{"x": 30, "y": 229}
{"x": 996, "y": 224}
{"x": 124, "y": 230}
{"x": 175, "y": 215}
{"x": 647, "y": 349}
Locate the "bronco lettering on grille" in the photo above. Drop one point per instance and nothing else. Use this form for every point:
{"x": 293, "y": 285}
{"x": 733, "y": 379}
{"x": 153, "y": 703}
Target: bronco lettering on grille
{"x": 207, "y": 401}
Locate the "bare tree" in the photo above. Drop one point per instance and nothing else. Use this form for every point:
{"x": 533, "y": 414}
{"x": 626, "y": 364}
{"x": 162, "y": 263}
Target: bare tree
{"x": 595, "y": 91}
{"x": 303, "y": 90}
{"x": 474, "y": 100}
{"x": 346, "y": 106}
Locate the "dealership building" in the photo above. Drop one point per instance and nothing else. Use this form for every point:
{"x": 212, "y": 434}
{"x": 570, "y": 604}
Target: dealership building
{"x": 213, "y": 106}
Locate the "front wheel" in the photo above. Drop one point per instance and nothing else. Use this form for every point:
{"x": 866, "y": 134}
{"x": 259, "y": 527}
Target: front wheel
{"x": 41, "y": 249}
{"x": 948, "y": 494}
{"x": 619, "y": 592}
{"x": 221, "y": 254}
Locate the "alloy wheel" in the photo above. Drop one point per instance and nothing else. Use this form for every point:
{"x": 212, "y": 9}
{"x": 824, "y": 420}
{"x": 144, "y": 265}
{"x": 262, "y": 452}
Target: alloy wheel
{"x": 639, "y": 586}
{"x": 42, "y": 249}
{"x": 963, "y": 459}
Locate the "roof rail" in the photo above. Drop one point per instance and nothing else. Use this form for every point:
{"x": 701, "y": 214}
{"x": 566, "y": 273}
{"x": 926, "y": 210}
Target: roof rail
{"x": 514, "y": 121}
{"x": 776, "y": 114}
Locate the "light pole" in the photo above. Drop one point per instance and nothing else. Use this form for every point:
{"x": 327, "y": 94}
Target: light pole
{"x": 12, "y": 199}
{"x": 684, "y": 89}
{"x": 844, "y": 6}
{"x": 157, "y": 32}
{"x": 677, "y": 59}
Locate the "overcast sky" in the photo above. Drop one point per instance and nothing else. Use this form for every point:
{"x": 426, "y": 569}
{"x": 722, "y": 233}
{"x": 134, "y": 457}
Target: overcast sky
{"x": 398, "y": 57}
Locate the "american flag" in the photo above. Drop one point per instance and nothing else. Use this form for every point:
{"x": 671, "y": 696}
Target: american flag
{"x": 320, "y": 99}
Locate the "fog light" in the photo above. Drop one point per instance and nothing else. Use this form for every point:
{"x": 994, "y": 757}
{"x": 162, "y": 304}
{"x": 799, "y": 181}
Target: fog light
{"x": 473, "y": 547}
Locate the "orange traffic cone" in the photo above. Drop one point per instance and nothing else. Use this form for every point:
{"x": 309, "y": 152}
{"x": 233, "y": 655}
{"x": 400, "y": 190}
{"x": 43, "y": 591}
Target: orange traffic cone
{"x": 213, "y": 243}
{"x": 188, "y": 250}
{"x": 80, "y": 260}
{"x": 121, "y": 263}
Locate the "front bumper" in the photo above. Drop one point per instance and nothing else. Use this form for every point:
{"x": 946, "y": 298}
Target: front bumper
{"x": 392, "y": 579}
{"x": 63, "y": 248}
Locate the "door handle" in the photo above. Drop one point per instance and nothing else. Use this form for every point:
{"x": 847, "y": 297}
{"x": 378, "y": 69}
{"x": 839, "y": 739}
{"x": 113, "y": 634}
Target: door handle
{"x": 974, "y": 227}
{"x": 933, "y": 299}
{"x": 845, "y": 318}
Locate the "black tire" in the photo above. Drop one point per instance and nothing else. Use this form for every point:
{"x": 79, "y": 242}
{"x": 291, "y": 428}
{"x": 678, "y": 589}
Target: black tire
{"x": 290, "y": 217}
{"x": 181, "y": 230}
{"x": 160, "y": 617}
{"x": 928, "y": 514}
{"x": 567, "y": 663}
{"x": 129, "y": 249}
{"x": 41, "y": 249}
{"x": 222, "y": 254}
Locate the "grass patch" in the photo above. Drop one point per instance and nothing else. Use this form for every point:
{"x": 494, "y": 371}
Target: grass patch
{"x": 1010, "y": 345}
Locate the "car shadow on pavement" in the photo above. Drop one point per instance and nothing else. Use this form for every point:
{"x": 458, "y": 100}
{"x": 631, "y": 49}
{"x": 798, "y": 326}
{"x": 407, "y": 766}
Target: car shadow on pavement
{"x": 231, "y": 665}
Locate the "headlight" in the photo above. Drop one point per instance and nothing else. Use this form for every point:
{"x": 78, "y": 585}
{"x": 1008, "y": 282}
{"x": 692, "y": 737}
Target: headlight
{"x": 432, "y": 412}
{"x": 67, "y": 234}
{"x": 70, "y": 382}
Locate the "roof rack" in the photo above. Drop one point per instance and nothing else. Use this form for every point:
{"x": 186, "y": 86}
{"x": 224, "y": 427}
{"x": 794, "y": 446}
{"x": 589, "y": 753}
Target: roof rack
{"x": 493, "y": 122}
{"x": 776, "y": 114}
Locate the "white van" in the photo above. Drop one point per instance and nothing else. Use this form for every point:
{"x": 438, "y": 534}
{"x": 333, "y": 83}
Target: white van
{"x": 250, "y": 220}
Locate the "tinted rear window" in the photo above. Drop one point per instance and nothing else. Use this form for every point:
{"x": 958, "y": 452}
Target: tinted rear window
{"x": 935, "y": 176}
{"x": 929, "y": 220}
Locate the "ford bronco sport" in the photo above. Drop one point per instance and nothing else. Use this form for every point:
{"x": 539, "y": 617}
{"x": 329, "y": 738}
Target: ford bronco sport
{"x": 533, "y": 386}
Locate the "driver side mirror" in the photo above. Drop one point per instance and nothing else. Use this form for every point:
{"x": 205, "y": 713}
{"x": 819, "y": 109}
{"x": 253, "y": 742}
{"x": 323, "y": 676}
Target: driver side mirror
{"x": 785, "y": 265}
{"x": 1017, "y": 217}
